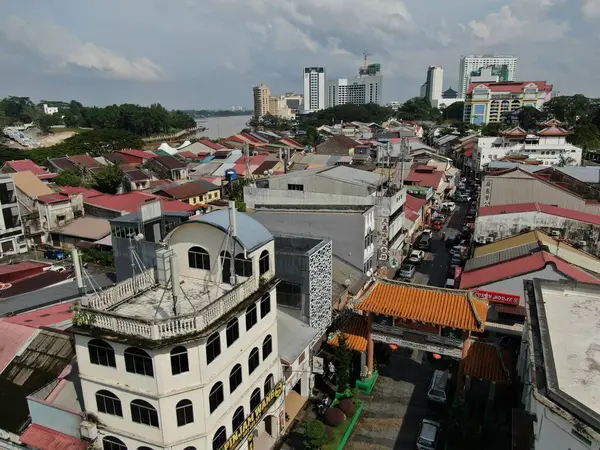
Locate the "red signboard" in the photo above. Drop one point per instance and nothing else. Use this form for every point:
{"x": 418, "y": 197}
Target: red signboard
{"x": 498, "y": 297}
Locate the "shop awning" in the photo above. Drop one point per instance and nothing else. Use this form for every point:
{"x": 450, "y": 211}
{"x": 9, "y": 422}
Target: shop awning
{"x": 294, "y": 403}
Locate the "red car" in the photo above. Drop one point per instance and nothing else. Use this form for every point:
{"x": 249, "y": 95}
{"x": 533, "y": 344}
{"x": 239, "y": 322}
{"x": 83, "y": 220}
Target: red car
{"x": 437, "y": 226}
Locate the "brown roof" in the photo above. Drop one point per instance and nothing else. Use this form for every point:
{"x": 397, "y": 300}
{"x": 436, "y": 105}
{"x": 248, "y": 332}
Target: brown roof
{"x": 88, "y": 228}
{"x": 486, "y": 361}
{"x": 170, "y": 163}
{"x": 355, "y": 332}
{"x": 137, "y": 175}
{"x": 426, "y": 304}
{"x": 189, "y": 189}
{"x": 336, "y": 145}
{"x": 30, "y": 184}
{"x": 267, "y": 165}
{"x": 84, "y": 160}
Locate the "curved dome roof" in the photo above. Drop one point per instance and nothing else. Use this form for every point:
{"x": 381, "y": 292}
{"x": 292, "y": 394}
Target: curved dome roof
{"x": 167, "y": 148}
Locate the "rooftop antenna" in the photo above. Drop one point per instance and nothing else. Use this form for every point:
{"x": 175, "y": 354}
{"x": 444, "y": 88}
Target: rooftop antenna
{"x": 366, "y": 54}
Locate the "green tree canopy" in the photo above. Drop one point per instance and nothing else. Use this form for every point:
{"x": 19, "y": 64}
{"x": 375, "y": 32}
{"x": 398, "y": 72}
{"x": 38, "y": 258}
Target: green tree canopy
{"x": 530, "y": 117}
{"x": 371, "y": 112}
{"x": 586, "y": 135}
{"x": 108, "y": 179}
{"x": 69, "y": 177}
{"x": 419, "y": 109}
{"x": 454, "y": 112}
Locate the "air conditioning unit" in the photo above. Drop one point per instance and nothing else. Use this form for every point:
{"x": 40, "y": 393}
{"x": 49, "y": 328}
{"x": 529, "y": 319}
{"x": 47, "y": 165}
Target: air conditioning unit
{"x": 88, "y": 430}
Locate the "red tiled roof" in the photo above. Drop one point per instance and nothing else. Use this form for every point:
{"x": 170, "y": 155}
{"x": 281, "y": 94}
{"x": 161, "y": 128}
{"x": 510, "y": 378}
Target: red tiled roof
{"x": 44, "y": 317}
{"x": 211, "y": 144}
{"x": 43, "y": 438}
{"x": 291, "y": 143}
{"x": 427, "y": 179}
{"x": 553, "y": 131}
{"x": 486, "y": 361}
{"x": 26, "y": 165}
{"x": 355, "y": 331}
{"x": 131, "y": 202}
{"x": 411, "y": 215}
{"x": 516, "y": 131}
{"x": 414, "y": 203}
{"x": 540, "y": 207}
{"x": 510, "y": 86}
{"x": 522, "y": 266}
{"x": 14, "y": 336}
{"x": 53, "y": 198}
{"x": 86, "y": 192}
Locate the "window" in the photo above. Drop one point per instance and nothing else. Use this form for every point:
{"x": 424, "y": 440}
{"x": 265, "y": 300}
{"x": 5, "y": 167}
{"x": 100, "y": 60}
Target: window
{"x": 185, "y": 412}
{"x": 243, "y": 266}
{"x": 138, "y": 361}
{"x": 263, "y": 262}
{"x": 232, "y": 332}
{"x": 251, "y": 317}
{"x": 254, "y": 399}
{"x": 143, "y": 412}
{"x": 198, "y": 258}
{"x": 295, "y": 187}
{"x": 265, "y": 305}
{"x": 220, "y": 438}
{"x": 179, "y": 360}
{"x": 267, "y": 347}
{"x": 269, "y": 384}
{"x": 143, "y": 447}
{"x": 112, "y": 443}
{"x": 235, "y": 377}
{"x": 238, "y": 418}
{"x": 215, "y": 397}
{"x": 213, "y": 347}
{"x": 108, "y": 403}
{"x": 253, "y": 360}
{"x": 190, "y": 448}
{"x": 226, "y": 272}
{"x": 101, "y": 353}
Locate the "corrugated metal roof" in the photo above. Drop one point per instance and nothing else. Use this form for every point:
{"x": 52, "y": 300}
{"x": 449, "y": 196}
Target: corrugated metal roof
{"x": 43, "y": 438}
{"x": 501, "y": 256}
{"x": 504, "y": 244}
{"x": 14, "y": 336}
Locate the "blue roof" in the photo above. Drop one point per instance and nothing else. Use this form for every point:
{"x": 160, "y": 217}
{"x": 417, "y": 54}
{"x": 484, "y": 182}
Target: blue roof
{"x": 250, "y": 233}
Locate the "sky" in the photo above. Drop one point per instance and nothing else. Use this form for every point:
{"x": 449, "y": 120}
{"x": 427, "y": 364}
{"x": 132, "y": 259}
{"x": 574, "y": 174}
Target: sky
{"x": 209, "y": 53}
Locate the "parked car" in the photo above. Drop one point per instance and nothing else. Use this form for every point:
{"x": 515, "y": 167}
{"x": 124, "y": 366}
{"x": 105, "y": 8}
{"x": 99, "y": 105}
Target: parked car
{"x": 457, "y": 250}
{"x": 427, "y": 232}
{"x": 437, "y": 226}
{"x": 416, "y": 256}
{"x": 438, "y": 388}
{"x": 461, "y": 198}
{"x": 425, "y": 243}
{"x": 407, "y": 271}
{"x": 428, "y": 435}
{"x": 450, "y": 205}
{"x": 55, "y": 253}
{"x": 449, "y": 283}
{"x": 456, "y": 261}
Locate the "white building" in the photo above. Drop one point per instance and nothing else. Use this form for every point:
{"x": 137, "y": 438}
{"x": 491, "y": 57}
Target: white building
{"x": 50, "y": 109}
{"x": 549, "y": 146}
{"x": 189, "y": 362}
{"x": 366, "y": 88}
{"x": 12, "y": 240}
{"x": 473, "y": 63}
{"x": 435, "y": 83}
{"x": 559, "y": 350}
{"x": 314, "y": 89}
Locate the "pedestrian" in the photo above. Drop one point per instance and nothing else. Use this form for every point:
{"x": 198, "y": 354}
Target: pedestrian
{"x": 443, "y": 235}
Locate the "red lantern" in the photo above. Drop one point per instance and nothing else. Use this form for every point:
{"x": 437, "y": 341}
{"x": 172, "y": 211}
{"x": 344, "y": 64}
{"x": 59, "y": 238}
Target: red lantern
{"x": 394, "y": 347}
{"x": 436, "y": 356}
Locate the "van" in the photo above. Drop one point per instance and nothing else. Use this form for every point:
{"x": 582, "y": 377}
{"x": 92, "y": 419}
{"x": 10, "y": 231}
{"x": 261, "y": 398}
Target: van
{"x": 438, "y": 388}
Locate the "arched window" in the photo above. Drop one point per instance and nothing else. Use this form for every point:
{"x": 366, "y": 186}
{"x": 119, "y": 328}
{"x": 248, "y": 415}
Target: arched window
{"x": 191, "y": 447}
{"x": 226, "y": 273}
{"x": 143, "y": 412}
{"x": 144, "y": 448}
{"x": 179, "y": 360}
{"x": 138, "y": 361}
{"x": 215, "y": 397}
{"x": 198, "y": 258}
{"x": 267, "y": 346}
{"x": 101, "y": 353}
{"x": 185, "y": 412}
{"x": 269, "y": 384}
{"x": 243, "y": 266}
{"x": 265, "y": 305}
{"x": 253, "y": 360}
{"x": 254, "y": 399}
{"x": 235, "y": 377}
{"x": 238, "y": 418}
{"x": 251, "y": 316}
{"x": 112, "y": 443}
{"x": 263, "y": 262}
{"x": 232, "y": 331}
{"x": 220, "y": 438}
{"x": 108, "y": 403}
{"x": 213, "y": 347}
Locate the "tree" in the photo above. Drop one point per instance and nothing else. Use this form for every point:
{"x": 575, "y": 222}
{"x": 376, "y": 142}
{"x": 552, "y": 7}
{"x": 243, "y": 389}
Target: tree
{"x": 344, "y": 360}
{"x": 316, "y": 433}
{"x": 454, "y": 112}
{"x": 529, "y": 118}
{"x": 45, "y": 121}
{"x": 108, "y": 179}
{"x": 565, "y": 160}
{"x": 368, "y": 113}
{"x": 419, "y": 109}
{"x": 69, "y": 177}
{"x": 491, "y": 129}
{"x": 585, "y": 135}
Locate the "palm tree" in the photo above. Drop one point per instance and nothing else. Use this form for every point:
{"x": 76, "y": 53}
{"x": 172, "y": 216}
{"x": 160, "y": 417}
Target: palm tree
{"x": 565, "y": 160}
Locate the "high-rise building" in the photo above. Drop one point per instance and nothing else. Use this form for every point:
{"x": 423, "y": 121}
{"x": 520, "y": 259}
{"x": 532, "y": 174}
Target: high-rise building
{"x": 504, "y": 66}
{"x": 364, "y": 89}
{"x": 314, "y": 88}
{"x": 262, "y": 95}
{"x": 434, "y": 83}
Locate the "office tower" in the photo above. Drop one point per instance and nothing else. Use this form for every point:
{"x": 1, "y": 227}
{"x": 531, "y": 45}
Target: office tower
{"x": 503, "y": 66}
{"x": 434, "y": 83}
{"x": 262, "y": 95}
{"x": 314, "y": 88}
{"x": 364, "y": 89}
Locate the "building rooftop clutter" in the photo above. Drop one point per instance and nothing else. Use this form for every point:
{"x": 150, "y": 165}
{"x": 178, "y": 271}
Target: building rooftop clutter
{"x": 346, "y": 277}
{"x": 487, "y": 361}
{"x": 86, "y": 228}
{"x": 293, "y": 336}
{"x": 564, "y": 336}
{"x": 170, "y": 162}
{"x": 426, "y": 304}
{"x": 43, "y": 438}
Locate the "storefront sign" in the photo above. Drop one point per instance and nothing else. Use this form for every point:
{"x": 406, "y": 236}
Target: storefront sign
{"x": 318, "y": 365}
{"x": 383, "y": 237}
{"x": 245, "y": 430}
{"x": 498, "y": 297}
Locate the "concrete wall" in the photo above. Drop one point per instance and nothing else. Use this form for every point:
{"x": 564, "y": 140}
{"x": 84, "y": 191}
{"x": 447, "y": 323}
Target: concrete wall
{"x": 507, "y": 225}
{"x": 58, "y": 419}
{"x": 317, "y": 184}
{"x": 256, "y": 197}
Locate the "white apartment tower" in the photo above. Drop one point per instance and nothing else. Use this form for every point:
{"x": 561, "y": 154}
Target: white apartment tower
{"x": 435, "y": 83}
{"x": 364, "y": 89}
{"x": 504, "y": 65}
{"x": 185, "y": 357}
{"x": 262, "y": 96}
{"x": 314, "y": 89}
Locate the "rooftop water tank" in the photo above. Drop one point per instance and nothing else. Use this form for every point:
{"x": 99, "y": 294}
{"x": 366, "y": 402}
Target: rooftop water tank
{"x": 231, "y": 175}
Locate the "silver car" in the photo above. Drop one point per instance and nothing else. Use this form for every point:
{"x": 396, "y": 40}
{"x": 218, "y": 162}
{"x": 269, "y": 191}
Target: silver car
{"x": 407, "y": 271}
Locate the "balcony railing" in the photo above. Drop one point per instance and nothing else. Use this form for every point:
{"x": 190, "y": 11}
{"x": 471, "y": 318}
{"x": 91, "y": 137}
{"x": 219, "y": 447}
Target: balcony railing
{"x": 94, "y": 311}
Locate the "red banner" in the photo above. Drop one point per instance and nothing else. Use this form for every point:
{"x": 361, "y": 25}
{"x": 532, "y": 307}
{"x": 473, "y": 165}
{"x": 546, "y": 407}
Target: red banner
{"x": 498, "y": 297}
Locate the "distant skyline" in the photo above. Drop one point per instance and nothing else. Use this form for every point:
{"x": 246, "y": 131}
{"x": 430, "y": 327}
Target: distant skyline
{"x": 193, "y": 54}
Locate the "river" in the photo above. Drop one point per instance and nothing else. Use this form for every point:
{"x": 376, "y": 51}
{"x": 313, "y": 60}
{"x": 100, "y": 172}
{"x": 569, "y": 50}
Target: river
{"x": 222, "y": 127}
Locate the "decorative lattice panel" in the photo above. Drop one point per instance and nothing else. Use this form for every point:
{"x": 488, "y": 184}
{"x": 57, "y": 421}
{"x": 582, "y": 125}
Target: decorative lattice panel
{"x": 320, "y": 308}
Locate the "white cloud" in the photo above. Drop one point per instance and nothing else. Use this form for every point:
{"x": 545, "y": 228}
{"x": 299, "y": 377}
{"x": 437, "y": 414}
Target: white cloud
{"x": 591, "y": 9}
{"x": 60, "y": 49}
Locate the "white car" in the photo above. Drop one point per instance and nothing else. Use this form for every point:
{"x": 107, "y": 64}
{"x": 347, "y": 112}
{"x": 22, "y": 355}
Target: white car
{"x": 428, "y": 435}
{"x": 449, "y": 283}
{"x": 427, "y": 232}
{"x": 450, "y": 205}
{"x": 416, "y": 256}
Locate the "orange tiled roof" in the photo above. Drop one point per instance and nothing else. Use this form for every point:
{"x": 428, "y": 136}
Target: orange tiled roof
{"x": 356, "y": 332}
{"x": 445, "y": 307}
{"x": 485, "y": 362}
